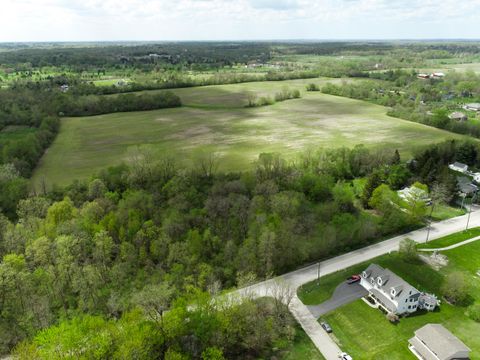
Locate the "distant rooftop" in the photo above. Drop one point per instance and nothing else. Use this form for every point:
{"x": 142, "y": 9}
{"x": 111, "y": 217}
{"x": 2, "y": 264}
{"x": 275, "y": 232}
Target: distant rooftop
{"x": 441, "y": 341}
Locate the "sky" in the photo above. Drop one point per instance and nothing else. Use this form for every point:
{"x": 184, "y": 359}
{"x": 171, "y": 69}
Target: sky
{"x": 155, "y": 20}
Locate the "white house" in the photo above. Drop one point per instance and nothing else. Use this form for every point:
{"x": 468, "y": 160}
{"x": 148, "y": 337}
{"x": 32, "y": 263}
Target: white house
{"x": 435, "y": 342}
{"x": 458, "y": 116}
{"x": 393, "y": 294}
{"x": 472, "y": 106}
{"x": 476, "y": 177}
{"x": 438, "y": 75}
{"x": 458, "y": 166}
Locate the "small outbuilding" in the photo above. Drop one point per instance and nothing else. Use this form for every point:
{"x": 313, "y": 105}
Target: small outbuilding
{"x": 472, "y": 106}
{"x": 465, "y": 186}
{"x": 458, "y": 116}
{"x": 423, "y": 76}
{"x": 435, "y": 342}
{"x": 458, "y": 166}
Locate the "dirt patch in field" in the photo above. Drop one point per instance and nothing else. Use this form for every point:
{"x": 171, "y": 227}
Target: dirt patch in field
{"x": 435, "y": 260}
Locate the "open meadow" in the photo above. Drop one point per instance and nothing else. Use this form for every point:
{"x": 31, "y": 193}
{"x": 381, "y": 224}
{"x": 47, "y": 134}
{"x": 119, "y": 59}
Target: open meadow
{"x": 214, "y": 119}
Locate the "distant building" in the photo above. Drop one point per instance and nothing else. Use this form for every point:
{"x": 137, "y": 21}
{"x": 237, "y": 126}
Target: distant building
{"x": 438, "y": 75}
{"x": 423, "y": 76}
{"x": 414, "y": 192}
{"x": 458, "y": 116}
{"x": 393, "y": 294}
{"x": 64, "y": 88}
{"x": 472, "y": 106}
{"x": 458, "y": 166}
{"x": 465, "y": 186}
{"x": 476, "y": 177}
{"x": 435, "y": 342}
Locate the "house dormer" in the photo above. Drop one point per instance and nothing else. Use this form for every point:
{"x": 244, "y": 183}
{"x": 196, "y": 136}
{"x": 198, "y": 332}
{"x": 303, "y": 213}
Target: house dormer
{"x": 395, "y": 291}
{"x": 382, "y": 280}
{"x": 366, "y": 273}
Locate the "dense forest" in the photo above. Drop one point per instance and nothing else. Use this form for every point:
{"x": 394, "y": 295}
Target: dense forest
{"x": 204, "y": 55}
{"x": 111, "y": 255}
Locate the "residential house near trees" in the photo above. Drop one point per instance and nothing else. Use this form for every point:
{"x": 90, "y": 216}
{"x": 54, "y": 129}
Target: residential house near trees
{"x": 458, "y": 166}
{"x": 458, "y": 116}
{"x": 393, "y": 294}
{"x": 472, "y": 106}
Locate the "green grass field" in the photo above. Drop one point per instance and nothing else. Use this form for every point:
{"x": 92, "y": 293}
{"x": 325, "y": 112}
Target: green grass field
{"x": 365, "y": 332}
{"x": 302, "y": 348}
{"x": 215, "y": 120}
{"x": 451, "y": 239}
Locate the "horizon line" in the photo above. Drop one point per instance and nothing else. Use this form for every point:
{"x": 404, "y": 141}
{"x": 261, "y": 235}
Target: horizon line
{"x": 244, "y": 40}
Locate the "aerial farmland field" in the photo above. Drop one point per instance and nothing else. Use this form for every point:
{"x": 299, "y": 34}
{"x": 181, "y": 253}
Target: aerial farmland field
{"x": 214, "y": 119}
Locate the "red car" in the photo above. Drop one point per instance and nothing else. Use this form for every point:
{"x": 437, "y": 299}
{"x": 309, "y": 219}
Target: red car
{"x": 353, "y": 279}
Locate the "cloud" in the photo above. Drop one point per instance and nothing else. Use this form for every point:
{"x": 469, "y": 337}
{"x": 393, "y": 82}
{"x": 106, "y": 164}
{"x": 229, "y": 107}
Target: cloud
{"x": 275, "y": 4}
{"x": 237, "y": 19}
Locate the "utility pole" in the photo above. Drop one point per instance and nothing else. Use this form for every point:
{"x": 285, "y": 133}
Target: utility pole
{"x": 429, "y": 223}
{"x": 470, "y": 210}
{"x": 318, "y": 273}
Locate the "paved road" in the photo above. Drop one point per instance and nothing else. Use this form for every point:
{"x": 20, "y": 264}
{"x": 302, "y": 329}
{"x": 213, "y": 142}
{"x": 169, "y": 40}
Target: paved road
{"x": 343, "y": 294}
{"x": 296, "y": 278}
{"x": 454, "y": 245}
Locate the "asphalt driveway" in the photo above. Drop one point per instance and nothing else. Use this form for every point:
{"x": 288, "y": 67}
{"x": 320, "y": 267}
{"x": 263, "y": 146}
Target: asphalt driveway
{"x": 343, "y": 294}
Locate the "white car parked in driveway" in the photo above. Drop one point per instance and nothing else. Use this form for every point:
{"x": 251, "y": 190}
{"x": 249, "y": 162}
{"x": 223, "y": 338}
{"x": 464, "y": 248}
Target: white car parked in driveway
{"x": 345, "y": 356}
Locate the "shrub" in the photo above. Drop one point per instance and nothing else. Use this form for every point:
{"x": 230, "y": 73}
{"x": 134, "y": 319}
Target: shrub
{"x": 393, "y": 318}
{"x": 408, "y": 250}
{"x": 313, "y": 87}
{"x": 455, "y": 288}
{"x": 473, "y": 312}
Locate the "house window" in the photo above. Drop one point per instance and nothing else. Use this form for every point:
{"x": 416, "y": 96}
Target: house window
{"x": 406, "y": 300}
{"x": 409, "y": 307}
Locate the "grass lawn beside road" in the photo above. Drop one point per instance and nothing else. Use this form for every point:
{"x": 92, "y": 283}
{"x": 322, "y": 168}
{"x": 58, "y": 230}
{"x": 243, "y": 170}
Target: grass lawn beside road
{"x": 216, "y": 121}
{"x": 302, "y": 348}
{"x": 365, "y": 332}
{"x": 442, "y": 212}
{"x": 450, "y": 239}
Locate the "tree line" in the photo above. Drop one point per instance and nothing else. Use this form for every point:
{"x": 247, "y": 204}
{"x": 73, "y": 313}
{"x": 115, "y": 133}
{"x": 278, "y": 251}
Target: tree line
{"x": 135, "y": 232}
{"x": 429, "y": 102}
{"x": 38, "y": 107}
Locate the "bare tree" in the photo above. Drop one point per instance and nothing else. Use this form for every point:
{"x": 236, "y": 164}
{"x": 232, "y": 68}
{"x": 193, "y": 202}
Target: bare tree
{"x": 282, "y": 293}
{"x": 207, "y": 164}
{"x": 439, "y": 195}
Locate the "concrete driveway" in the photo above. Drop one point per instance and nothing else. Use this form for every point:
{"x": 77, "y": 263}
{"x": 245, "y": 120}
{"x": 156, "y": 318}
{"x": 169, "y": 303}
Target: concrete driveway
{"x": 343, "y": 294}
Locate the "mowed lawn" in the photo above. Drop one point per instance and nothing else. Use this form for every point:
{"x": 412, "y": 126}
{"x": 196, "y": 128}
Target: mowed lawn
{"x": 365, "y": 332}
{"x": 215, "y": 120}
